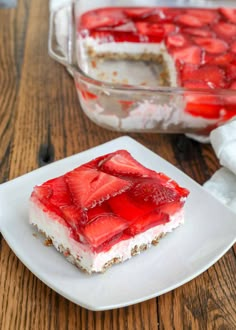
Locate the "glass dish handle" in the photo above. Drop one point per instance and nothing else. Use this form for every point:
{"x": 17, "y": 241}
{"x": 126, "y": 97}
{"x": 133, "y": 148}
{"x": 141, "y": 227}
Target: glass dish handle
{"x": 60, "y": 40}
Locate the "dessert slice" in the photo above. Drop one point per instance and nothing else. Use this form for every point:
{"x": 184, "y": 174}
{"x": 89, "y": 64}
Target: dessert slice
{"x": 107, "y": 210}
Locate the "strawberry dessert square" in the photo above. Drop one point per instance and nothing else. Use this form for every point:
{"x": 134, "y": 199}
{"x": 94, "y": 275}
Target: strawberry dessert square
{"x": 107, "y": 210}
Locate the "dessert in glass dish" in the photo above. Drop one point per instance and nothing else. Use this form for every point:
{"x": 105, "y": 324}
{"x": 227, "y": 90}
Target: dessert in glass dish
{"x": 107, "y": 210}
{"x": 154, "y": 68}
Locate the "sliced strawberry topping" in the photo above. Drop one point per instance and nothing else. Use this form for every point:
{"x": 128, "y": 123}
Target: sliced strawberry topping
{"x": 147, "y": 221}
{"x": 138, "y": 12}
{"x": 96, "y": 211}
{"x": 210, "y": 74}
{"x": 103, "y": 229}
{"x": 231, "y": 72}
{"x": 189, "y": 54}
{"x": 74, "y": 216}
{"x": 90, "y": 187}
{"x": 151, "y": 190}
{"x": 225, "y": 30}
{"x": 169, "y": 28}
{"x": 176, "y": 40}
{"x": 60, "y": 196}
{"x": 123, "y": 164}
{"x": 152, "y": 30}
{"x": 206, "y": 16}
{"x": 205, "y": 106}
{"x": 205, "y": 32}
{"x": 233, "y": 48}
{"x": 221, "y": 60}
{"x": 102, "y": 18}
{"x": 229, "y": 14}
{"x": 195, "y": 84}
{"x": 43, "y": 192}
{"x": 212, "y": 45}
{"x": 189, "y": 20}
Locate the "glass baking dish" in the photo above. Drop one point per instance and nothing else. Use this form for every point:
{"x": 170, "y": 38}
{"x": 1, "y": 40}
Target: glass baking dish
{"x": 121, "y": 91}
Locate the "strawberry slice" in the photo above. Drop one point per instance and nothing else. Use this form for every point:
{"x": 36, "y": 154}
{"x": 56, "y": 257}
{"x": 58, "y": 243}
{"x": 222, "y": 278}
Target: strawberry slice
{"x": 104, "y": 17}
{"x": 90, "y": 187}
{"x": 147, "y": 221}
{"x": 117, "y": 36}
{"x": 206, "y": 16}
{"x": 103, "y": 229}
{"x": 189, "y": 54}
{"x": 123, "y": 164}
{"x": 231, "y": 72}
{"x": 205, "y": 106}
{"x": 233, "y": 48}
{"x": 229, "y": 14}
{"x": 151, "y": 191}
{"x": 222, "y": 59}
{"x": 74, "y": 216}
{"x": 154, "y": 31}
{"x": 60, "y": 194}
{"x": 225, "y": 30}
{"x": 138, "y": 12}
{"x": 96, "y": 211}
{"x": 212, "y": 45}
{"x": 169, "y": 28}
{"x": 189, "y": 20}
{"x": 205, "y": 32}
{"x": 213, "y": 75}
{"x": 193, "y": 84}
{"x": 43, "y": 192}
{"x": 176, "y": 40}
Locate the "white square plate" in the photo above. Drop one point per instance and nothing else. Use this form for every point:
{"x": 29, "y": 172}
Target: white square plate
{"x": 209, "y": 231}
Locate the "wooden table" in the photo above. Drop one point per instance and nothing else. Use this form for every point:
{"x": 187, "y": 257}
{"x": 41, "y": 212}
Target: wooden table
{"x": 40, "y": 122}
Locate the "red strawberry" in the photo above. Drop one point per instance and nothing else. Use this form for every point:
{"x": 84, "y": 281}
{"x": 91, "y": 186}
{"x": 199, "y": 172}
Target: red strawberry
{"x": 169, "y": 28}
{"x": 221, "y": 60}
{"x": 74, "y": 216}
{"x": 206, "y": 33}
{"x": 212, "y": 45}
{"x": 102, "y": 18}
{"x": 147, "y": 221}
{"x": 210, "y": 74}
{"x": 96, "y": 211}
{"x": 229, "y": 14}
{"x": 138, "y": 12}
{"x": 206, "y": 16}
{"x": 90, "y": 187}
{"x": 233, "y": 48}
{"x": 60, "y": 195}
{"x": 103, "y": 229}
{"x": 123, "y": 164}
{"x": 231, "y": 72}
{"x": 205, "y": 106}
{"x": 225, "y": 30}
{"x": 189, "y": 54}
{"x": 188, "y": 20}
{"x": 171, "y": 208}
{"x": 193, "y": 84}
{"x": 153, "y": 30}
{"x": 43, "y": 192}
{"x": 176, "y": 40}
{"x": 169, "y": 14}
{"x": 152, "y": 191}
{"x": 128, "y": 208}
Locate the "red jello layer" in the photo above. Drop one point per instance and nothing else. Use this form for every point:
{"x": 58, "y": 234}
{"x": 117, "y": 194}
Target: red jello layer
{"x": 110, "y": 199}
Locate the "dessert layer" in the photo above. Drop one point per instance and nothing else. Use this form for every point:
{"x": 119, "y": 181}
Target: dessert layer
{"x": 81, "y": 254}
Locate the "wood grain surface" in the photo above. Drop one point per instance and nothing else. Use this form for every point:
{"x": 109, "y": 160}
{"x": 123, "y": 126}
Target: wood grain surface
{"x": 41, "y": 121}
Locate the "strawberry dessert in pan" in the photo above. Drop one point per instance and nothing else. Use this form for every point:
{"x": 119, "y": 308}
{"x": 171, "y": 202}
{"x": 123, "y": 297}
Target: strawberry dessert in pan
{"x": 196, "y": 47}
{"x": 107, "y": 210}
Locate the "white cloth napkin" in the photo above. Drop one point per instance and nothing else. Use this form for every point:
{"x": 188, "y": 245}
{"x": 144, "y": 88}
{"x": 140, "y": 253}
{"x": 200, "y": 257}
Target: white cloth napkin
{"x": 223, "y": 183}
{"x": 223, "y": 139}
